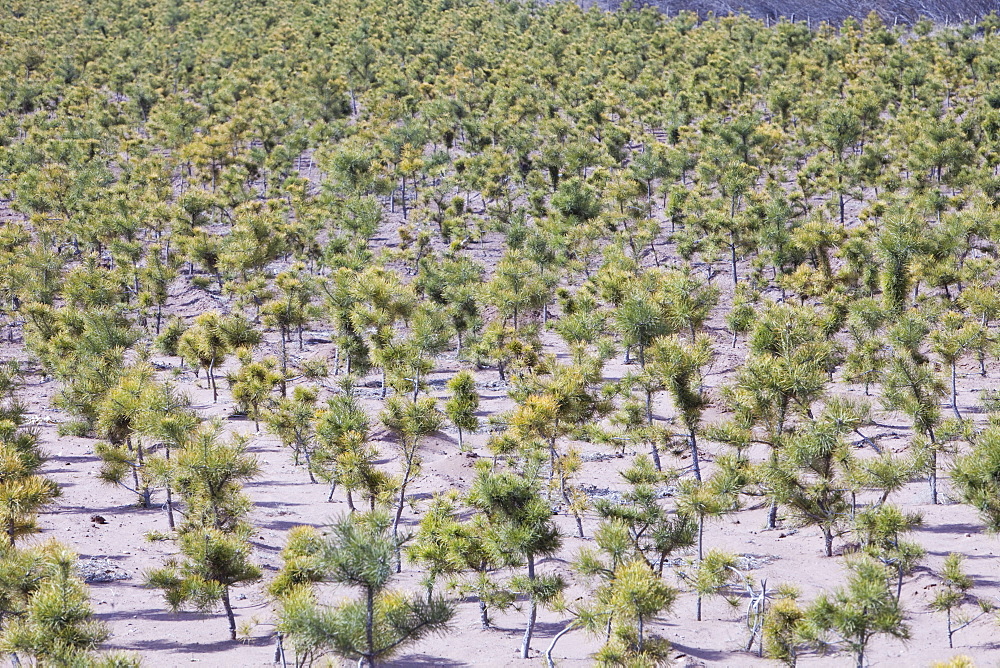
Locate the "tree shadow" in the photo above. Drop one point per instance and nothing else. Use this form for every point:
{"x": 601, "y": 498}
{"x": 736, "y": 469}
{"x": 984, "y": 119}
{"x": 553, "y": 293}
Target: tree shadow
{"x": 417, "y": 660}
{"x": 707, "y": 655}
{"x": 265, "y": 547}
{"x": 165, "y": 645}
{"x": 965, "y": 555}
{"x": 950, "y": 528}
{"x": 285, "y": 526}
{"x": 542, "y": 629}
{"x": 108, "y": 510}
{"x": 158, "y": 615}
{"x": 275, "y": 483}
{"x": 72, "y": 459}
{"x": 276, "y": 504}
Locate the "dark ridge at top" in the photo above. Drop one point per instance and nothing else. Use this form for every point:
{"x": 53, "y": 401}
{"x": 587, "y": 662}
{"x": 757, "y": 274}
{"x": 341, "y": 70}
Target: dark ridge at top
{"x": 832, "y": 11}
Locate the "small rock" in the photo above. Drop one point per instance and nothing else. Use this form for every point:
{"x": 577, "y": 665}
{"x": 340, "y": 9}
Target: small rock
{"x": 97, "y": 519}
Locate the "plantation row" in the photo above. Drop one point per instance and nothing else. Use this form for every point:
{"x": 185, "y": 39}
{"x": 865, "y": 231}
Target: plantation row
{"x": 319, "y": 207}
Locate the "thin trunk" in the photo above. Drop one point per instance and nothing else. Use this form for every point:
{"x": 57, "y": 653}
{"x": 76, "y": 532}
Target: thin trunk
{"x": 552, "y": 645}
{"x": 484, "y": 617}
{"x": 576, "y": 514}
{"x": 694, "y": 456}
{"x": 284, "y": 364}
{"x": 170, "y": 509}
{"x": 701, "y": 545}
{"x": 828, "y": 540}
{"x": 532, "y": 612}
{"x": 402, "y": 191}
{"x": 309, "y": 466}
{"x": 732, "y": 251}
{"x": 370, "y": 626}
{"x": 135, "y": 471}
{"x": 399, "y": 506}
{"x": 701, "y": 536}
{"x": 170, "y": 501}
{"x": 279, "y": 651}
{"x": 211, "y": 381}
{"x": 229, "y": 612}
{"x": 655, "y": 452}
{"x": 933, "y": 476}
{"x": 954, "y": 390}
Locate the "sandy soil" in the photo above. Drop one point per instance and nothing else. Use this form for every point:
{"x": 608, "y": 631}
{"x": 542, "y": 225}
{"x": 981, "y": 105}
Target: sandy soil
{"x": 117, "y": 553}
{"x": 283, "y": 497}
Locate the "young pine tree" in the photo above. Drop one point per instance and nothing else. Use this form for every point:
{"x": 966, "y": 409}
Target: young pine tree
{"x": 954, "y": 593}
{"x": 52, "y": 621}
{"x": 520, "y": 518}
{"x": 360, "y": 553}
{"x": 461, "y": 407}
{"x": 852, "y": 615}
{"x": 211, "y": 563}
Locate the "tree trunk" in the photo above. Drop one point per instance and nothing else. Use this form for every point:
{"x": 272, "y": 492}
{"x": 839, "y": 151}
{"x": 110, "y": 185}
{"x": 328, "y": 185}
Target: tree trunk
{"x": 655, "y": 452}
{"x": 402, "y": 191}
{"x": 828, "y": 540}
{"x": 229, "y": 612}
{"x": 309, "y": 466}
{"x": 732, "y": 258}
{"x": 954, "y": 390}
{"x": 284, "y": 364}
{"x": 369, "y": 626}
{"x": 532, "y": 612}
{"x": 933, "y": 476}
{"x": 694, "y": 456}
{"x": 279, "y": 650}
{"x": 701, "y": 536}
{"x": 170, "y": 507}
{"x": 567, "y": 629}
{"x": 399, "y": 507}
{"x": 402, "y": 496}
{"x": 211, "y": 381}
{"x": 484, "y": 616}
